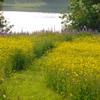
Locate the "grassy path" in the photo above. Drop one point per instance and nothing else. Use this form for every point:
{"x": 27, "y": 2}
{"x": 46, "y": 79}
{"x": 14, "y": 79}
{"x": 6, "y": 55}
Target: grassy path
{"x": 28, "y": 85}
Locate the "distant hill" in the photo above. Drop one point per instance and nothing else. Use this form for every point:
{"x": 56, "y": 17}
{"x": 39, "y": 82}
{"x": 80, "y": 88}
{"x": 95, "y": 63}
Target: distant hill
{"x": 30, "y": 1}
{"x": 36, "y": 5}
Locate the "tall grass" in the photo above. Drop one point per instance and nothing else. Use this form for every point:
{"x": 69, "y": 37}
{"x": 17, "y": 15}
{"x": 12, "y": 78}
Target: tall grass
{"x": 47, "y": 41}
{"x": 42, "y": 47}
{"x": 9, "y": 46}
{"x": 70, "y": 63}
{"x": 17, "y": 51}
{"x": 72, "y": 69}
{"x": 19, "y": 60}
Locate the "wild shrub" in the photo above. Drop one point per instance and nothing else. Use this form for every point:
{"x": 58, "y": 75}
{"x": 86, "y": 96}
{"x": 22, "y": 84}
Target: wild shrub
{"x": 84, "y": 15}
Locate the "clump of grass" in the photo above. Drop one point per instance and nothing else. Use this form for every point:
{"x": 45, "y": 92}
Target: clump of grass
{"x": 19, "y": 60}
{"x": 41, "y": 47}
{"x": 69, "y": 37}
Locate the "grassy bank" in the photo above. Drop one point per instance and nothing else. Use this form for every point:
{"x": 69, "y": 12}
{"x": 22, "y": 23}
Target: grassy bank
{"x": 50, "y": 67}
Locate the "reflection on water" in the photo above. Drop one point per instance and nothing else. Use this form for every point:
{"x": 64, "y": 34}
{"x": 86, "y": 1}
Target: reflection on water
{"x": 33, "y": 21}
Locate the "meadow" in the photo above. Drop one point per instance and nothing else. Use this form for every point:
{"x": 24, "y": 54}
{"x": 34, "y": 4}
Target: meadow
{"x": 50, "y": 66}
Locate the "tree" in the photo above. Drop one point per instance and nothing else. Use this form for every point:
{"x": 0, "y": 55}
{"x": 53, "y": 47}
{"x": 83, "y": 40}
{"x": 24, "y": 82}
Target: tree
{"x": 4, "y": 27}
{"x": 84, "y": 15}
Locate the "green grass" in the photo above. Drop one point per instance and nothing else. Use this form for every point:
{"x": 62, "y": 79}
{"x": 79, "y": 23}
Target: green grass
{"x": 49, "y": 75}
{"x": 28, "y": 85}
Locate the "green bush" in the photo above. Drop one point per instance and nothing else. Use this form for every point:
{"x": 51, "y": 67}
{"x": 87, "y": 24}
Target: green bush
{"x": 84, "y": 15}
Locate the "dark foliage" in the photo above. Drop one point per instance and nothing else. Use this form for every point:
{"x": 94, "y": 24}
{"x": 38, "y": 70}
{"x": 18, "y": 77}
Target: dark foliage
{"x": 4, "y": 25}
{"x": 85, "y": 15}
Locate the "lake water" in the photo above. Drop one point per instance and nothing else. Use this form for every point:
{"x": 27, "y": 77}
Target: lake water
{"x": 33, "y": 21}
{"x": 34, "y": 15}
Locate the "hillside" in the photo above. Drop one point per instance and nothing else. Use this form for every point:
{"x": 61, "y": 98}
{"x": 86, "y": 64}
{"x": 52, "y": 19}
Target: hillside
{"x": 35, "y": 5}
{"x": 32, "y": 1}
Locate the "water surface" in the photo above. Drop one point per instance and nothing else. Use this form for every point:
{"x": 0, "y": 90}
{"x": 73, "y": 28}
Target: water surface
{"x": 33, "y": 21}
{"x": 34, "y": 15}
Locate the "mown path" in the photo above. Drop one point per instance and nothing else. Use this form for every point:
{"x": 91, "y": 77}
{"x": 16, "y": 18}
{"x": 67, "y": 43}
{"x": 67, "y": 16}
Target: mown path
{"x": 29, "y": 85}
